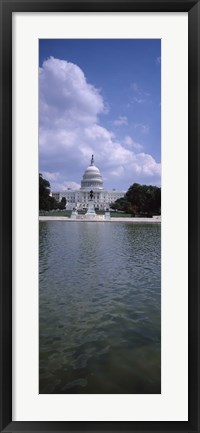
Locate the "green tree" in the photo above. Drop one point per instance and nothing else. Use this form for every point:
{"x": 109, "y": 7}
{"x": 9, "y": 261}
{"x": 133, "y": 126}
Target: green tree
{"x": 141, "y": 200}
{"x": 46, "y": 202}
{"x": 144, "y": 199}
{"x": 120, "y": 204}
{"x": 62, "y": 203}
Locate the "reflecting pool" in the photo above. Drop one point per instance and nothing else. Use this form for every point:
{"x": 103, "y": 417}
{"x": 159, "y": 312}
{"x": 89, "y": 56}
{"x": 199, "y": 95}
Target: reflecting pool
{"x": 99, "y": 307}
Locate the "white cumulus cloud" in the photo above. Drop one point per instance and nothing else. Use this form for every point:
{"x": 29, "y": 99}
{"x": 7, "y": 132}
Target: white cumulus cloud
{"x": 128, "y": 141}
{"x": 71, "y": 131}
{"x": 51, "y": 176}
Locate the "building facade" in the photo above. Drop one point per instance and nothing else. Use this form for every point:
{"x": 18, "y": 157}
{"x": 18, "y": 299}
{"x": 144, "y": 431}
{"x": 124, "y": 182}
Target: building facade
{"x": 92, "y": 181}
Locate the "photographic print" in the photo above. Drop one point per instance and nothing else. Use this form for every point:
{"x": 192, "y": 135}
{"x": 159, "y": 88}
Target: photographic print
{"x": 99, "y": 216}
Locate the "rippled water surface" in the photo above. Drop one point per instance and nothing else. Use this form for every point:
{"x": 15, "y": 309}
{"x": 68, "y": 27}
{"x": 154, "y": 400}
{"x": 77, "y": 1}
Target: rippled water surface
{"x": 99, "y": 307}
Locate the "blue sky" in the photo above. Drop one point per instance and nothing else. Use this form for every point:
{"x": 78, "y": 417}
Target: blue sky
{"x": 102, "y": 97}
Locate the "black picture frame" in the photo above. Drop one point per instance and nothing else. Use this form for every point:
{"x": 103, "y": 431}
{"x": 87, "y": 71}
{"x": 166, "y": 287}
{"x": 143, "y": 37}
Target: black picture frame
{"x": 6, "y": 9}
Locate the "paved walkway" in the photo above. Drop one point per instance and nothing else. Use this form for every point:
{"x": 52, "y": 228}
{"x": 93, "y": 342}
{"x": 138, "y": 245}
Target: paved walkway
{"x": 114, "y": 219}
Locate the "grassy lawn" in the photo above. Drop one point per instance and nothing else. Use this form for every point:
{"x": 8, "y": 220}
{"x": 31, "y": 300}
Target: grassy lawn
{"x": 67, "y": 213}
{"x": 120, "y": 215}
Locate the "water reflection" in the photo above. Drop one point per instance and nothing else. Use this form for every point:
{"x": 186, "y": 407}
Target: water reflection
{"x": 99, "y": 307}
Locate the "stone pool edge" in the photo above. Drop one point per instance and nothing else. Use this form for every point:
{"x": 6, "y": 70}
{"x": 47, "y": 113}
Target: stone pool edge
{"x": 128, "y": 220}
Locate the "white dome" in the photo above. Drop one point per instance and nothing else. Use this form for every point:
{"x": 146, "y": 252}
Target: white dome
{"x": 92, "y": 177}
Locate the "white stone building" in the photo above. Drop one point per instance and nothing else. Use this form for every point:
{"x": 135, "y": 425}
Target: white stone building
{"x": 92, "y": 181}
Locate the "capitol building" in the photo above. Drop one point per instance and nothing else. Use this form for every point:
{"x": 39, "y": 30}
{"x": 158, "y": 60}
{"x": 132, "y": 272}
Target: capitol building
{"x": 92, "y": 181}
